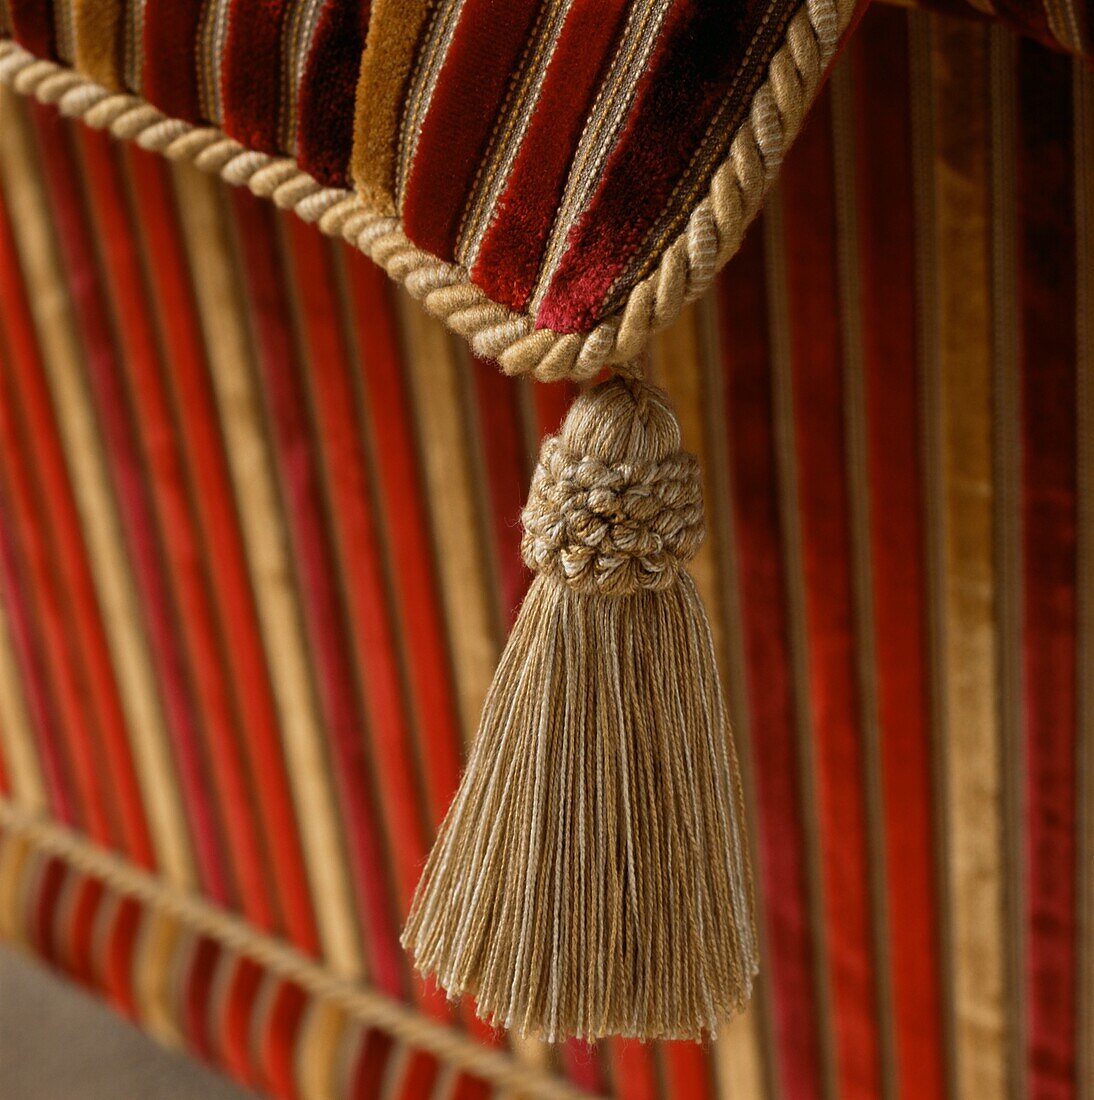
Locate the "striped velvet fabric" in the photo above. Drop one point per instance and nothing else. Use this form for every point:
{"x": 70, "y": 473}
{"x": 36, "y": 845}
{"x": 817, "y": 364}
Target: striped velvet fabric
{"x": 259, "y": 549}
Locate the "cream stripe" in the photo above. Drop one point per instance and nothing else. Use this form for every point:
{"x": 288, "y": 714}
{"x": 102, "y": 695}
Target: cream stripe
{"x": 775, "y": 245}
{"x": 684, "y": 360}
{"x": 86, "y": 466}
{"x": 971, "y": 743}
{"x": 1007, "y": 461}
{"x": 437, "y": 391}
{"x": 16, "y": 736}
{"x": 926, "y": 261}
{"x": 845, "y": 152}
{"x": 1084, "y": 314}
{"x": 223, "y": 314}
{"x": 64, "y": 25}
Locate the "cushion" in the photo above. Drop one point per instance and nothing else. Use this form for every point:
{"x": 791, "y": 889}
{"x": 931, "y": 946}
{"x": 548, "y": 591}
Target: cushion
{"x": 556, "y": 178}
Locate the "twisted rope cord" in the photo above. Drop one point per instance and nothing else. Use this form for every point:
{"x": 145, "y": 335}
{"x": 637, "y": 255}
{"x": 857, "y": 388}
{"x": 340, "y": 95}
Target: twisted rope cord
{"x": 687, "y": 267}
{"x": 366, "y": 1005}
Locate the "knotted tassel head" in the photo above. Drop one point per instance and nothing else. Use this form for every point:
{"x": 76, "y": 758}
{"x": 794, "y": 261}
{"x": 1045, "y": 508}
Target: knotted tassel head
{"x": 591, "y": 877}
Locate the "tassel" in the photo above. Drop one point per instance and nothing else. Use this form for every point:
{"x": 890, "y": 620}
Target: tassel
{"x": 591, "y": 877}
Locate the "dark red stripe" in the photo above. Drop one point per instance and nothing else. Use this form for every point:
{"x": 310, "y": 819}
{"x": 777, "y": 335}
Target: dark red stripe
{"x": 196, "y": 997}
{"x": 44, "y": 902}
{"x": 762, "y": 586}
{"x": 47, "y": 602}
{"x": 170, "y": 75}
{"x": 121, "y": 940}
{"x": 252, "y": 72}
{"x": 26, "y": 389}
{"x": 294, "y": 447}
{"x": 509, "y": 258}
{"x": 199, "y": 429}
{"x": 482, "y": 59}
{"x": 328, "y": 89}
{"x": 401, "y": 502}
{"x": 698, "y": 56}
{"x": 237, "y": 1021}
{"x": 123, "y": 453}
{"x": 32, "y": 26}
{"x": 887, "y": 245}
{"x": 1047, "y": 303}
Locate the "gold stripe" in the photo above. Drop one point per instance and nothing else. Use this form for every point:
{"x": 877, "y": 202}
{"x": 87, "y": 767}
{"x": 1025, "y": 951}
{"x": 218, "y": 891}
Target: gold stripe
{"x": 1007, "y": 534}
{"x": 133, "y": 47}
{"x": 684, "y": 361}
{"x": 99, "y": 34}
{"x": 393, "y": 31}
{"x": 844, "y": 154}
{"x": 152, "y": 965}
{"x": 86, "y": 462}
{"x": 318, "y": 1051}
{"x": 64, "y": 25}
{"x": 437, "y": 386}
{"x": 970, "y": 744}
{"x": 222, "y": 313}
{"x": 1083, "y": 84}
{"x": 16, "y": 735}
{"x": 15, "y": 853}
{"x": 926, "y": 263}
{"x": 775, "y": 245}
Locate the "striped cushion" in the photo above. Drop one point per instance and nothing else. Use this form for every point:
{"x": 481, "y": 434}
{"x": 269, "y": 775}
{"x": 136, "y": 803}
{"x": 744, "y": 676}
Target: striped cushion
{"x": 555, "y": 176}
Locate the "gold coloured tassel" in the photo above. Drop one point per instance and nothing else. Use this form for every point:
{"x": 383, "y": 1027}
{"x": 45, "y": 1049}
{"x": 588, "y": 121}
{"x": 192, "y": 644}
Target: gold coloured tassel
{"x": 591, "y": 877}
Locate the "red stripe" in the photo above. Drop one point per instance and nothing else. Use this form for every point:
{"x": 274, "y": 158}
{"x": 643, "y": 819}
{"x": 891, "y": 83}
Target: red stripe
{"x": 886, "y": 233}
{"x": 506, "y": 478}
{"x": 808, "y": 189}
{"x": 26, "y": 389}
{"x": 762, "y": 586}
{"x": 482, "y": 59}
{"x": 172, "y": 495}
{"x": 634, "y": 1076}
{"x": 419, "y": 1076}
{"x": 323, "y": 614}
{"x": 354, "y": 526}
{"x": 44, "y": 902}
{"x": 68, "y": 686}
{"x": 121, "y": 940}
{"x": 123, "y": 453}
{"x": 199, "y": 430}
{"x": 1047, "y": 303}
{"x": 237, "y": 1020}
{"x": 170, "y": 75}
{"x": 391, "y": 427}
{"x": 509, "y": 258}
{"x": 89, "y": 894}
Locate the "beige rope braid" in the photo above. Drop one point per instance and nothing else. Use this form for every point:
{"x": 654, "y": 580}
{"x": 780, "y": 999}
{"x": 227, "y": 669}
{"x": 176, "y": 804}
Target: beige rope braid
{"x": 689, "y": 264}
{"x": 365, "y": 1005}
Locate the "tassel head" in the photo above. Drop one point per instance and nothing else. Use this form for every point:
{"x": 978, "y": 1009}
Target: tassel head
{"x": 591, "y": 876}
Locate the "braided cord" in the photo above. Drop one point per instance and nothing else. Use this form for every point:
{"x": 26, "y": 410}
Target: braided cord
{"x": 712, "y": 234}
